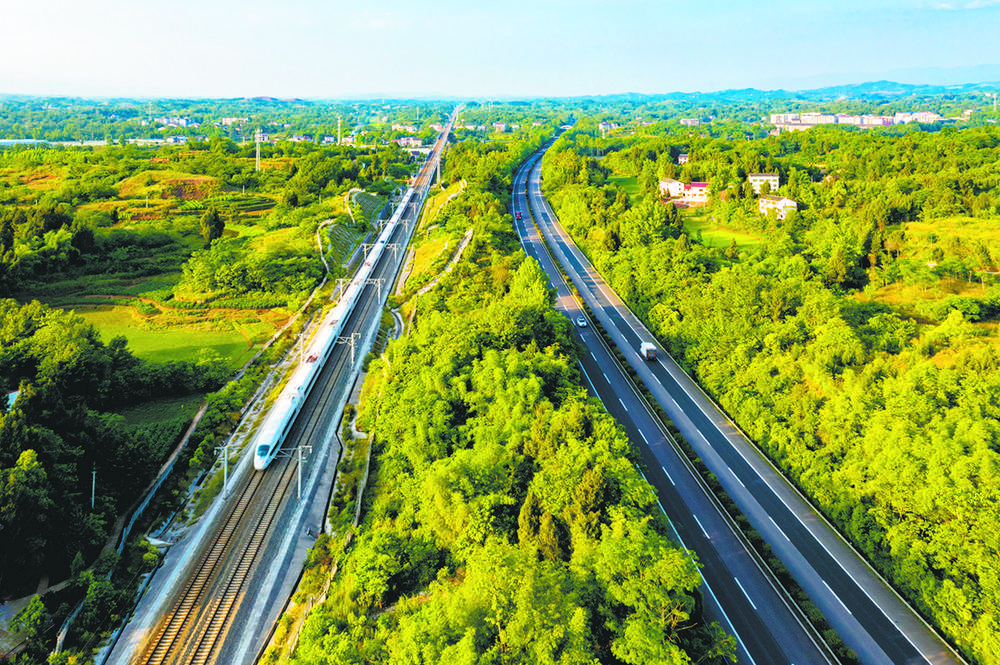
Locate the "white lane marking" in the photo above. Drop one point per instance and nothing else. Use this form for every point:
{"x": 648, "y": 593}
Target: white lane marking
{"x": 778, "y": 528}
{"x": 737, "y": 479}
{"x": 593, "y": 356}
{"x": 745, "y": 593}
{"x": 701, "y": 527}
{"x": 623, "y": 404}
{"x": 837, "y": 597}
{"x": 672, "y": 481}
{"x": 643, "y": 435}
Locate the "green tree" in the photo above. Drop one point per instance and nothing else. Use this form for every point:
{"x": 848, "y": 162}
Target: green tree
{"x": 32, "y": 620}
{"x": 212, "y": 225}
{"x": 6, "y": 235}
{"x": 24, "y": 510}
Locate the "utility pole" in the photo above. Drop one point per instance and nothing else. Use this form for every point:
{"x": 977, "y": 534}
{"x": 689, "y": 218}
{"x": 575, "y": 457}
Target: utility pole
{"x": 93, "y": 486}
{"x": 258, "y": 137}
{"x": 225, "y": 468}
{"x": 338, "y": 130}
{"x": 377, "y": 281}
{"x": 349, "y": 340}
{"x": 298, "y": 494}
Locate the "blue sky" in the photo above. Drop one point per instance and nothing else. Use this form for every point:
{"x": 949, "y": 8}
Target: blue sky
{"x": 333, "y": 49}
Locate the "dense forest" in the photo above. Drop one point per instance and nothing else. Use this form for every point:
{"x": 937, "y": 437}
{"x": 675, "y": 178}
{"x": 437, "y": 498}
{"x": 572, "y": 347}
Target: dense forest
{"x": 60, "y": 429}
{"x": 505, "y": 520}
{"x": 855, "y": 340}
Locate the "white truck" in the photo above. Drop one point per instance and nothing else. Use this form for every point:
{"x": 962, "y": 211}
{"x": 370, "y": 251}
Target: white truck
{"x": 647, "y": 350}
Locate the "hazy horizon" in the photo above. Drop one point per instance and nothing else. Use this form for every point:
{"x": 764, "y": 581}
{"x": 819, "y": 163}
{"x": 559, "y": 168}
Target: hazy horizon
{"x": 551, "y": 48}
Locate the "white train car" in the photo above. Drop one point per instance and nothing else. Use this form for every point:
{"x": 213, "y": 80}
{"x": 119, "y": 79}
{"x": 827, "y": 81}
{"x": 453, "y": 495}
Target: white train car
{"x": 280, "y": 418}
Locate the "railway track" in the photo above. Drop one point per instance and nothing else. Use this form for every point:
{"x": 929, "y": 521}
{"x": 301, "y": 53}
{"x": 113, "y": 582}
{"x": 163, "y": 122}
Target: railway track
{"x": 194, "y": 618}
{"x": 208, "y": 621}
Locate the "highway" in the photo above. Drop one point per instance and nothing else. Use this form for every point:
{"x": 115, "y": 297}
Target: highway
{"x": 738, "y": 593}
{"x": 868, "y": 615}
{"x": 224, "y": 586}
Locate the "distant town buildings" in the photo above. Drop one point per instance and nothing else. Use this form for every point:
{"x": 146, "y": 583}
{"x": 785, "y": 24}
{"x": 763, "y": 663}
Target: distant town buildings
{"x": 171, "y": 123}
{"x": 682, "y": 158}
{"x": 690, "y": 122}
{"x": 780, "y": 204}
{"x": 756, "y": 180}
{"x": 800, "y": 121}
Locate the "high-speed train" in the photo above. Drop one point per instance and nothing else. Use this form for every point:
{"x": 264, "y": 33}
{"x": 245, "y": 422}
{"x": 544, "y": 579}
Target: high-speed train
{"x": 279, "y": 419}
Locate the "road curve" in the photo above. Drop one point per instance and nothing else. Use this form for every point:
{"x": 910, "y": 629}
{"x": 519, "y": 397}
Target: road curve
{"x": 871, "y": 618}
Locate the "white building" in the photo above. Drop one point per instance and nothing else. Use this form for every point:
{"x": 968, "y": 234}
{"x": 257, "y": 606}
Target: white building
{"x": 780, "y": 204}
{"x": 670, "y": 188}
{"x": 758, "y": 179}
{"x": 695, "y": 194}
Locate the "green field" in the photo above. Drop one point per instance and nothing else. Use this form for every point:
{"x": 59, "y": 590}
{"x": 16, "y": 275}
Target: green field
{"x": 183, "y": 343}
{"x": 157, "y": 411}
{"x": 628, "y": 184}
{"x": 715, "y": 235}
